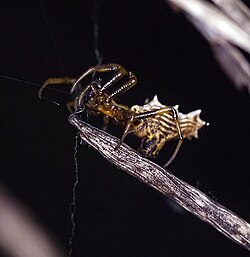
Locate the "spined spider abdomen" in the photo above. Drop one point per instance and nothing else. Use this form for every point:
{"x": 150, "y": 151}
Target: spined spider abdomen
{"x": 160, "y": 128}
{"x": 154, "y": 123}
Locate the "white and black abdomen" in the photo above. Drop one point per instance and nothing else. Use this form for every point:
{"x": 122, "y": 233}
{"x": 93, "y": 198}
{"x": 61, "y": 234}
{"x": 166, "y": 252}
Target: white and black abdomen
{"x": 155, "y": 130}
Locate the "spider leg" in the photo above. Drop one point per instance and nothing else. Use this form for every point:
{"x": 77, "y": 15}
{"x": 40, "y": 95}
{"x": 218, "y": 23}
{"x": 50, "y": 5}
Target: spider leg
{"x": 124, "y": 87}
{"x": 51, "y": 81}
{"x": 70, "y": 106}
{"x": 177, "y": 148}
{"x": 103, "y": 68}
{"x": 78, "y": 100}
{"x": 126, "y": 131}
{"x": 119, "y": 70}
{"x": 105, "y": 122}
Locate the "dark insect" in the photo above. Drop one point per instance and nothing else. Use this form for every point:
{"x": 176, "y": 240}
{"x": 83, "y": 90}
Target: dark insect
{"x": 153, "y": 122}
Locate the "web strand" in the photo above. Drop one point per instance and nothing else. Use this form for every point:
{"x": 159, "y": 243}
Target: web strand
{"x": 45, "y": 17}
{"x": 96, "y": 33}
{"x": 72, "y": 205}
{"x": 33, "y": 84}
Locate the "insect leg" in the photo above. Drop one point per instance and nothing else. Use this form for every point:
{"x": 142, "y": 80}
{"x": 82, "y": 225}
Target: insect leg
{"x": 51, "y": 81}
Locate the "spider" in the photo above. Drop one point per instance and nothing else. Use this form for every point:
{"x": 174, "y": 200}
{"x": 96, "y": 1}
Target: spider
{"x": 153, "y": 122}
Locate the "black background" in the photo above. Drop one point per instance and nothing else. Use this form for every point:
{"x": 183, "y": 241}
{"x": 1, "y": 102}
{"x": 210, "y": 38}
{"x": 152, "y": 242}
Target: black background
{"x": 116, "y": 214}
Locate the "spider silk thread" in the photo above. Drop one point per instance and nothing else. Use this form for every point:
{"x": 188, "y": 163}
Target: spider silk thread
{"x": 72, "y": 206}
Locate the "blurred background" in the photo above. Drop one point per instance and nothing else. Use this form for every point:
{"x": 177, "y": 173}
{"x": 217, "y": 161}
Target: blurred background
{"x": 117, "y": 215}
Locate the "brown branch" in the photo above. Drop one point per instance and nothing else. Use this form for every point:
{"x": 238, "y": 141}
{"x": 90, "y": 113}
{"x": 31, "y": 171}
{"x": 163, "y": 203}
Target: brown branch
{"x": 148, "y": 172}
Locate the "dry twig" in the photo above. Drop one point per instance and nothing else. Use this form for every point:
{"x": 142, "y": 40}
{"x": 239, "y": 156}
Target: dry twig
{"x": 155, "y": 176}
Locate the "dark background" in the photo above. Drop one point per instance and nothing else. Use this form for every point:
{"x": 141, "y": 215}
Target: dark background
{"x": 116, "y": 214}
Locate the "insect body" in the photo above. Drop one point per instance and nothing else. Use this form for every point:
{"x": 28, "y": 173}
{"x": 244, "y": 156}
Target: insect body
{"x": 154, "y": 123}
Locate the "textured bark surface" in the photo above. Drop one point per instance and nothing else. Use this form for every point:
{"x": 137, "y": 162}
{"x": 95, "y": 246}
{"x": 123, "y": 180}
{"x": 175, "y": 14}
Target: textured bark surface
{"x": 150, "y": 173}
